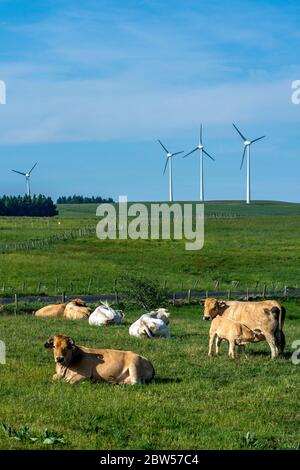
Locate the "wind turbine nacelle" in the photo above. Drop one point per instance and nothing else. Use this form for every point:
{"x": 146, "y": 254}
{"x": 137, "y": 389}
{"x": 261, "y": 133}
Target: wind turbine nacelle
{"x": 169, "y": 155}
{"x": 200, "y": 147}
{"x": 247, "y": 142}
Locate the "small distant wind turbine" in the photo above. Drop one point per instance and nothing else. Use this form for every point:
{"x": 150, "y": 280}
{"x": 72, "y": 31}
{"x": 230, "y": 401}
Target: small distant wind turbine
{"x": 27, "y": 176}
{"x": 247, "y": 144}
{"x": 169, "y": 157}
{"x": 200, "y": 147}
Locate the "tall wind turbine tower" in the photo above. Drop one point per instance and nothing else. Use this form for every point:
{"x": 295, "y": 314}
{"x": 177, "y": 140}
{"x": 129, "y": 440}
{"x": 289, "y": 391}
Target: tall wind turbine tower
{"x": 27, "y": 177}
{"x": 202, "y": 152}
{"x": 247, "y": 145}
{"x": 169, "y": 161}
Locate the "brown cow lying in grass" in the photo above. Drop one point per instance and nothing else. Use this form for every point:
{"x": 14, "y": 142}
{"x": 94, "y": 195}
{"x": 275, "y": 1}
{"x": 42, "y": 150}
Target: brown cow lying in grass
{"x": 75, "y": 310}
{"x": 246, "y": 322}
{"x": 74, "y": 363}
{"x": 54, "y": 311}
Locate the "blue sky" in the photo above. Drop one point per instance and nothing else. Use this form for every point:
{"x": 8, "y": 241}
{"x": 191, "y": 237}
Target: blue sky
{"x": 91, "y": 85}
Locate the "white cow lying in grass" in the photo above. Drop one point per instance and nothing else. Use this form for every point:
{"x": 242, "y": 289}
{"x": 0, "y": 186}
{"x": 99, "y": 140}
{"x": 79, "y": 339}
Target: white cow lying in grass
{"x": 152, "y": 325}
{"x": 105, "y": 315}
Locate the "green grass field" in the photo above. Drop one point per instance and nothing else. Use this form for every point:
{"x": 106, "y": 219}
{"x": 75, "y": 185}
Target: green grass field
{"x": 262, "y": 248}
{"x": 195, "y": 402}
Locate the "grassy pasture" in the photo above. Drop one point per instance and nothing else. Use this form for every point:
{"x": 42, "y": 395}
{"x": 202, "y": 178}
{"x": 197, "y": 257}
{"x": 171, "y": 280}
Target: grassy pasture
{"x": 262, "y": 248}
{"x": 238, "y": 208}
{"x": 195, "y": 402}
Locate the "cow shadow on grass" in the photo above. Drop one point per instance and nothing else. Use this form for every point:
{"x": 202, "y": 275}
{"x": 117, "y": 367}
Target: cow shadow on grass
{"x": 286, "y": 355}
{"x": 187, "y": 335}
{"x": 166, "y": 380}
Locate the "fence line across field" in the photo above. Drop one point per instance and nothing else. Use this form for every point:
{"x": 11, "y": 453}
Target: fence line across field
{"x": 27, "y": 245}
{"x": 175, "y": 297}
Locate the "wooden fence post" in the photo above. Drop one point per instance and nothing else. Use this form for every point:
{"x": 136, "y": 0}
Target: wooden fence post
{"x": 174, "y": 298}
{"x": 189, "y": 296}
{"x": 90, "y": 285}
{"x": 16, "y": 304}
{"x": 229, "y": 294}
{"x": 63, "y": 297}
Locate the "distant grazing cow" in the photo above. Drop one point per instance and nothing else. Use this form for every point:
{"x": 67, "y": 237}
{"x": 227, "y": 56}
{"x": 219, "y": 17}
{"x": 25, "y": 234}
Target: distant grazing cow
{"x": 264, "y": 319}
{"x": 105, "y": 315}
{"x": 151, "y": 325}
{"x": 74, "y": 363}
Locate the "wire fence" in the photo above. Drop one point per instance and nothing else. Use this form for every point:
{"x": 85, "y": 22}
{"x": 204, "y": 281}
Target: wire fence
{"x": 28, "y": 245}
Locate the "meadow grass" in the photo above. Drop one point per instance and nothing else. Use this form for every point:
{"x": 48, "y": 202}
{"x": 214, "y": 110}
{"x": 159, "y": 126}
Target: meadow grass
{"x": 195, "y": 402}
{"x": 255, "y": 251}
{"x": 236, "y": 208}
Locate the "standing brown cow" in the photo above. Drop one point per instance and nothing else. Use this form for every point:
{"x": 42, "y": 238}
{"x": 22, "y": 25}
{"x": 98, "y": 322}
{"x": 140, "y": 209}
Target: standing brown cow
{"x": 266, "y": 317}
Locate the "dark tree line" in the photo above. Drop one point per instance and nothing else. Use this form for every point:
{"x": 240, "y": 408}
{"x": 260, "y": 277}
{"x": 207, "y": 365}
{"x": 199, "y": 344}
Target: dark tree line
{"x": 75, "y": 199}
{"x": 35, "y": 206}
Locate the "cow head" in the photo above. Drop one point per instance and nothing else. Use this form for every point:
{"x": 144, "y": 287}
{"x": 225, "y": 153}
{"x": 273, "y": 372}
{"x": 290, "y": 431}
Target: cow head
{"x": 63, "y": 348}
{"x": 163, "y": 314}
{"x": 79, "y": 303}
{"x": 212, "y": 308}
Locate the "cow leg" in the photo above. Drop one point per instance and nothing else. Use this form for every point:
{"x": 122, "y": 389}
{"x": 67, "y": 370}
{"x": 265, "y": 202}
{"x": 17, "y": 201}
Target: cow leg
{"x": 241, "y": 349}
{"x": 272, "y": 344}
{"x": 211, "y": 343}
{"x": 75, "y": 379}
{"x": 134, "y": 379}
{"x": 231, "y": 348}
{"x": 280, "y": 341}
{"x": 218, "y": 344}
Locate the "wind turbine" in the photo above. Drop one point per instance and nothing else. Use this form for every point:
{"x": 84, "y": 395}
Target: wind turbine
{"x": 200, "y": 147}
{"x": 27, "y": 176}
{"x": 247, "y": 144}
{"x": 169, "y": 157}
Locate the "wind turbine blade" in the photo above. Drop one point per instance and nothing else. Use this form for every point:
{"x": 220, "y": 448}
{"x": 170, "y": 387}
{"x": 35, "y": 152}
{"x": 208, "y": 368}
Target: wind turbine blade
{"x": 244, "y": 153}
{"x": 163, "y": 146}
{"x": 242, "y": 136}
{"x": 184, "y": 156}
{"x": 204, "y": 151}
{"x": 166, "y": 165}
{"x": 33, "y": 168}
{"x": 201, "y": 134}
{"x": 19, "y": 172}
{"x": 255, "y": 140}
{"x": 177, "y": 153}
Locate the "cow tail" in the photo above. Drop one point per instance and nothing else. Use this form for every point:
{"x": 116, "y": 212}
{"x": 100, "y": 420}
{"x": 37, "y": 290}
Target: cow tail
{"x": 281, "y": 317}
{"x": 280, "y": 325}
